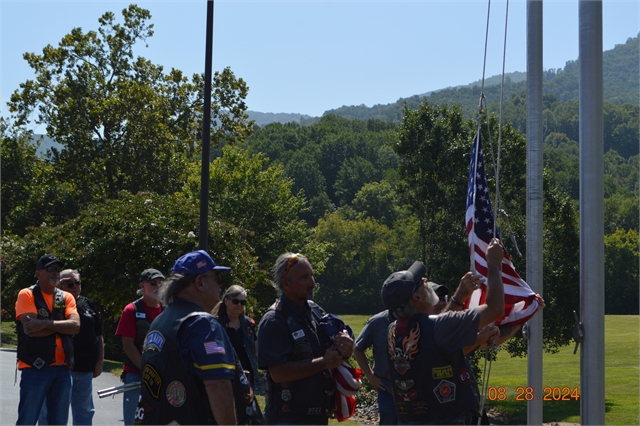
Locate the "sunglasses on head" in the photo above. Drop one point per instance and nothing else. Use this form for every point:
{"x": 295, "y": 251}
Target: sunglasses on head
{"x": 53, "y": 268}
{"x": 292, "y": 261}
{"x": 236, "y": 301}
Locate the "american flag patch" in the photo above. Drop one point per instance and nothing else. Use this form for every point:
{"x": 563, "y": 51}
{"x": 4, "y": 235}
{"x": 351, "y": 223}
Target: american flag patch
{"x": 201, "y": 264}
{"x": 214, "y": 347}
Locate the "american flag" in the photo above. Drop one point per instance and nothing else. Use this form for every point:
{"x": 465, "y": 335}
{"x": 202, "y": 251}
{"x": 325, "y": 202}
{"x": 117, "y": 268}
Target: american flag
{"x": 520, "y": 302}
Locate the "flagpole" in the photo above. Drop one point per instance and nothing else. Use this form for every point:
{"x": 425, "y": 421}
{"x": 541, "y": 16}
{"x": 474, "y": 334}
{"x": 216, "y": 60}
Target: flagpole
{"x": 535, "y": 201}
{"x": 206, "y": 132}
{"x": 592, "y": 403}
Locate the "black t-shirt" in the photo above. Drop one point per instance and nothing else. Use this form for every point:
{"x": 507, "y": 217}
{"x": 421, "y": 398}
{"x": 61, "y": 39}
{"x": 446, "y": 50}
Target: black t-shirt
{"x": 85, "y": 343}
{"x": 237, "y": 341}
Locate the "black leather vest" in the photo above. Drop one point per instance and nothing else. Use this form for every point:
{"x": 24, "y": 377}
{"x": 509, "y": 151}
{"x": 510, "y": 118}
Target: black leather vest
{"x": 40, "y": 352}
{"x": 300, "y": 401}
{"x": 170, "y": 394}
{"x": 427, "y": 384}
{"x": 142, "y": 327}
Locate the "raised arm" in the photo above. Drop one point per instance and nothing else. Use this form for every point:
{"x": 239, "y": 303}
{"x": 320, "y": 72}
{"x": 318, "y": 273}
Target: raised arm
{"x": 493, "y": 308}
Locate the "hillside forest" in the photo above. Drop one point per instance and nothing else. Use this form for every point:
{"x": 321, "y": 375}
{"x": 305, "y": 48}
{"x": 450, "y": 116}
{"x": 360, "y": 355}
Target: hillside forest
{"x": 360, "y": 196}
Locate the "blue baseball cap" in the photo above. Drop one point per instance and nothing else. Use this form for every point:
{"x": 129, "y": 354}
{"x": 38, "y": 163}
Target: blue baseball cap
{"x": 196, "y": 263}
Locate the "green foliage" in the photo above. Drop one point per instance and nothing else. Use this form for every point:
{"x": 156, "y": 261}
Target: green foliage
{"x": 329, "y": 160}
{"x": 256, "y": 197}
{"x": 112, "y": 242}
{"x": 433, "y": 146}
{"x": 31, "y": 194}
{"x": 379, "y": 201}
{"x": 124, "y": 123}
{"x": 361, "y": 254}
{"x": 621, "y": 272}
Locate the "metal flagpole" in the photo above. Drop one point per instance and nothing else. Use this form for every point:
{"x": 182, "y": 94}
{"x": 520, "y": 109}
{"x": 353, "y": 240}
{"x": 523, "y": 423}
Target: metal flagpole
{"x": 591, "y": 213}
{"x": 534, "y": 202}
{"x": 206, "y": 132}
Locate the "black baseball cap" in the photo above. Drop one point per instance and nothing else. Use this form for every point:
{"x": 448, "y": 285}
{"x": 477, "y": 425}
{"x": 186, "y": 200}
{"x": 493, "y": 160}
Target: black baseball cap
{"x": 46, "y": 260}
{"x": 400, "y": 286}
{"x": 439, "y": 288}
{"x": 150, "y": 275}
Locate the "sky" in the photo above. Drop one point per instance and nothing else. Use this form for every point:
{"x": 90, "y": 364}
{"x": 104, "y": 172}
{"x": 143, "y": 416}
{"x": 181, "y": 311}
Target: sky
{"x": 311, "y": 56}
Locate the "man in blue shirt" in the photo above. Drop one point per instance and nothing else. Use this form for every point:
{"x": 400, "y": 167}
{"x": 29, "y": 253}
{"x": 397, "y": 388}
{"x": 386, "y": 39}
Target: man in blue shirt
{"x": 188, "y": 363}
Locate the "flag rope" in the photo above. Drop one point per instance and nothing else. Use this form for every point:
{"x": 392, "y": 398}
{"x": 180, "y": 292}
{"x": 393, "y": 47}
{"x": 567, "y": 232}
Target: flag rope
{"x": 496, "y": 167}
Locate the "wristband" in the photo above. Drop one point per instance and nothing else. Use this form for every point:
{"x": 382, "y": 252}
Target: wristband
{"x": 455, "y": 301}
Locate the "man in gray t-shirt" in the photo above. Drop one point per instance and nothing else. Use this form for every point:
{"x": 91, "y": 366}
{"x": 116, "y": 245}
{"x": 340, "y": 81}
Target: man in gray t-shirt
{"x": 374, "y": 334}
{"x": 432, "y": 382}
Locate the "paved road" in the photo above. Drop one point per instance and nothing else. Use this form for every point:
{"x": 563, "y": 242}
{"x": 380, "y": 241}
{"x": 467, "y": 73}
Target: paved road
{"x": 108, "y": 410}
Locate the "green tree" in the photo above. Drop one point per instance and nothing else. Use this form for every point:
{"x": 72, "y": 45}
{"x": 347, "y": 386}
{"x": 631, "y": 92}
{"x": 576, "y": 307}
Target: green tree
{"x": 112, "y": 241}
{"x": 433, "y": 147}
{"x": 378, "y": 200}
{"x": 124, "y": 123}
{"x": 621, "y": 255}
{"x": 30, "y": 193}
{"x": 255, "y": 196}
{"x": 359, "y": 261}
{"x": 352, "y": 176}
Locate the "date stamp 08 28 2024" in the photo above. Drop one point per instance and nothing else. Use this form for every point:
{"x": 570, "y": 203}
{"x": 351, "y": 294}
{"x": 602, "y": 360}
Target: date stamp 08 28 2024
{"x": 555, "y": 393}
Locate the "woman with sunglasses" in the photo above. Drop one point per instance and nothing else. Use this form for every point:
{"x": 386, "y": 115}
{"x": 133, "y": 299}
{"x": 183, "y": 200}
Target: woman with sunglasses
{"x": 240, "y": 329}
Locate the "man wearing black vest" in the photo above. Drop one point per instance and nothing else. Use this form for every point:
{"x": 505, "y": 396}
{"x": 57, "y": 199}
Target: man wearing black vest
{"x": 132, "y": 328}
{"x": 432, "y": 381}
{"x": 298, "y": 387}
{"x": 188, "y": 363}
{"x": 46, "y": 320}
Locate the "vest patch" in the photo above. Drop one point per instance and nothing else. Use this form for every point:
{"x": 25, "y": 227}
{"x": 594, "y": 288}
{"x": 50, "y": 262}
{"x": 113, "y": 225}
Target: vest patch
{"x": 407, "y": 351}
{"x": 420, "y": 407}
{"x": 445, "y": 391}
{"x": 176, "y": 393}
{"x": 405, "y": 385}
{"x": 408, "y": 396}
{"x": 43, "y": 313}
{"x": 154, "y": 341}
{"x": 442, "y": 372}
{"x": 464, "y": 376}
{"x": 38, "y": 363}
{"x": 213, "y": 347}
{"x": 297, "y": 334}
{"x": 152, "y": 380}
{"x": 141, "y": 315}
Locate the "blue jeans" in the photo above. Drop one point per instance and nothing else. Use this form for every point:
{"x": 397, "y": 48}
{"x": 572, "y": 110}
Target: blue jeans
{"x": 387, "y": 409}
{"x": 130, "y": 398}
{"x": 82, "y": 409}
{"x": 52, "y": 383}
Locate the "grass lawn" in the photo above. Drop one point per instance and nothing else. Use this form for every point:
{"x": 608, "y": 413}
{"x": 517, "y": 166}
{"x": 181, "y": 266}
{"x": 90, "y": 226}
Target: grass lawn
{"x": 563, "y": 370}
{"x": 622, "y": 375}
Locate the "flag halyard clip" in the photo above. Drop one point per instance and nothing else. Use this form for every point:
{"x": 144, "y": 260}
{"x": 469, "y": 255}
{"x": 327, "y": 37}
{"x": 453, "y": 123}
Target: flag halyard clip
{"x": 578, "y": 332}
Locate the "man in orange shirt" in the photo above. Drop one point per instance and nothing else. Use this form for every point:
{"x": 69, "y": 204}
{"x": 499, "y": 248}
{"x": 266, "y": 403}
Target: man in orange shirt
{"x": 46, "y": 320}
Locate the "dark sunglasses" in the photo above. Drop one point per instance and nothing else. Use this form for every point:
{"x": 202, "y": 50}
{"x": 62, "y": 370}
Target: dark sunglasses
{"x": 155, "y": 283}
{"x": 72, "y": 284}
{"x": 236, "y": 301}
{"x": 53, "y": 268}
